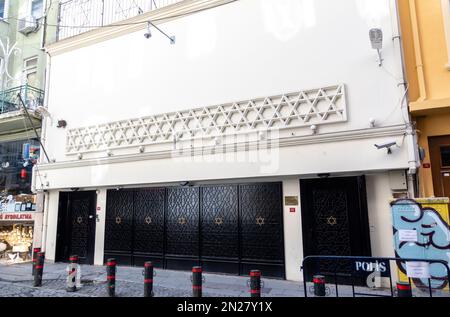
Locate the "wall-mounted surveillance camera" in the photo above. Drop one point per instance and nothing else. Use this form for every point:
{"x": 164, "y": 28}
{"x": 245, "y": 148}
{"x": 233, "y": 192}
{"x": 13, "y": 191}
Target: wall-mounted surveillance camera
{"x": 387, "y": 145}
{"x": 148, "y": 34}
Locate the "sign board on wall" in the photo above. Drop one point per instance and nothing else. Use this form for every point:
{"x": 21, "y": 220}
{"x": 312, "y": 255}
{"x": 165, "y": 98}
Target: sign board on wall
{"x": 418, "y": 269}
{"x": 16, "y": 216}
{"x": 407, "y": 235}
{"x": 291, "y": 200}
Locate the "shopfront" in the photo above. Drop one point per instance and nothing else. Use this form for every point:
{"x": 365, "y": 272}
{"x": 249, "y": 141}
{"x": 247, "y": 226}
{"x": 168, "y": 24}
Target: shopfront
{"x": 18, "y": 205}
{"x": 19, "y": 232}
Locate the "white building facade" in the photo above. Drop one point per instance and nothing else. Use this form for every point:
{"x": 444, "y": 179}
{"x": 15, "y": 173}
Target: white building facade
{"x": 247, "y": 143}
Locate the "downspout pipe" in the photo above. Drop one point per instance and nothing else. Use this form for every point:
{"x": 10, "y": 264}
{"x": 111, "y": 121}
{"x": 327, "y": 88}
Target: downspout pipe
{"x": 44, "y": 141}
{"x": 410, "y": 133}
{"x": 417, "y": 50}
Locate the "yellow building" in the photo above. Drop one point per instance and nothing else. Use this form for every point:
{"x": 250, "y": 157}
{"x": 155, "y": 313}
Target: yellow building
{"x": 426, "y": 39}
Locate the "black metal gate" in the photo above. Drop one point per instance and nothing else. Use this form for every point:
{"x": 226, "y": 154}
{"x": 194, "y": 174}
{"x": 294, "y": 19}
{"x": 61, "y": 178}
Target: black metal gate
{"x": 225, "y": 228}
{"x": 76, "y": 226}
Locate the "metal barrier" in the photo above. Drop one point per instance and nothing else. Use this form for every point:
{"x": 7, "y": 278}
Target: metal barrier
{"x": 354, "y": 271}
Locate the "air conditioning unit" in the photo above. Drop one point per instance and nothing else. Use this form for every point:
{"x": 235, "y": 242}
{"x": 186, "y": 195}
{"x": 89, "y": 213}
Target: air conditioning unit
{"x": 28, "y": 25}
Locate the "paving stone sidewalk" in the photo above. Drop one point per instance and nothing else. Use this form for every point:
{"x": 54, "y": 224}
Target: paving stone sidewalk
{"x": 16, "y": 281}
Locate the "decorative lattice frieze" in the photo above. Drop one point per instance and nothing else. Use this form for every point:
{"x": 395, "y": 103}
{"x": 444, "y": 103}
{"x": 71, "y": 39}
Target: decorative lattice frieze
{"x": 293, "y": 110}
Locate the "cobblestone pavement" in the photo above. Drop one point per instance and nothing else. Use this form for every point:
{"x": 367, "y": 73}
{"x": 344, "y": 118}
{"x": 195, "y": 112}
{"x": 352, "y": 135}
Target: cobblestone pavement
{"x": 16, "y": 281}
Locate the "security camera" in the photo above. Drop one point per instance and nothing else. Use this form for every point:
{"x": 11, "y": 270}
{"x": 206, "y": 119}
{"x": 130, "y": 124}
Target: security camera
{"x": 148, "y": 35}
{"x": 386, "y": 145}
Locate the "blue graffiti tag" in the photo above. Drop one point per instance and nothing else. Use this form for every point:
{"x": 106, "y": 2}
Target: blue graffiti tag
{"x": 433, "y": 238}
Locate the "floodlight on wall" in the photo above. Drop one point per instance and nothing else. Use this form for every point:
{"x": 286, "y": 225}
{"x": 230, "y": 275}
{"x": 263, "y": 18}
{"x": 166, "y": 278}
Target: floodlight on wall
{"x": 148, "y": 33}
{"x": 376, "y": 39}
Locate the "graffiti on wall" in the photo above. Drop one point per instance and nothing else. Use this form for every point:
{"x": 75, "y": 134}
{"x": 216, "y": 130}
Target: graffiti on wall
{"x": 433, "y": 238}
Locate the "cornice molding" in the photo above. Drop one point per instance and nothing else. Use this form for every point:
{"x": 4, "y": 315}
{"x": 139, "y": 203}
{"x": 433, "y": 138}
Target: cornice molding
{"x": 158, "y": 16}
{"x": 391, "y": 131}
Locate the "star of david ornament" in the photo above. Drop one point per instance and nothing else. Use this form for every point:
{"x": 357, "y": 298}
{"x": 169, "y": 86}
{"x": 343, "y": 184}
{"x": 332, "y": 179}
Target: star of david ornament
{"x": 219, "y": 221}
{"x": 260, "y": 221}
{"x": 332, "y": 221}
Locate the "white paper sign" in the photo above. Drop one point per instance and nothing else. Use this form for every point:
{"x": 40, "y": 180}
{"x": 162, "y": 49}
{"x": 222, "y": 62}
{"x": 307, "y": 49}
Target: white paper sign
{"x": 407, "y": 235}
{"x": 418, "y": 269}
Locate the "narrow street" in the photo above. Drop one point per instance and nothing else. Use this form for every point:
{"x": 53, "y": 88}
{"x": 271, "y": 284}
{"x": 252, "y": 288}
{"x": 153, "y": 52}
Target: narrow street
{"x": 17, "y": 281}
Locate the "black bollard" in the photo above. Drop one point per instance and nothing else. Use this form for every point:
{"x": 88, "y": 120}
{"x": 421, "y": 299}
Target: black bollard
{"x": 404, "y": 289}
{"x": 34, "y": 260}
{"x": 319, "y": 286}
{"x": 111, "y": 276}
{"x": 148, "y": 279}
{"x": 255, "y": 283}
{"x": 197, "y": 281}
{"x": 72, "y": 278}
{"x": 39, "y": 269}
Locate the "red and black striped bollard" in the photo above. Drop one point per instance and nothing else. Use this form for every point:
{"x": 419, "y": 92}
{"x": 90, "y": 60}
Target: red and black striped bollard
{"x": 72, "y": 278}
{"x": 111, "y": 276}
{"x": 148, "y": 279}
{"x": 319, "y": 286}
{"x": 34, "y": 260}
{"x": 197, "y": 281}
{"x": 255, "y": 283}
{"x": 404, "y": 289}
{"x": 39, "y": 269}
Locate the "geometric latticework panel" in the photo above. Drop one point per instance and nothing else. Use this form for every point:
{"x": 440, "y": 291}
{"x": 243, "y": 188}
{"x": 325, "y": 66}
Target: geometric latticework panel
{"x": 287, "y": 111}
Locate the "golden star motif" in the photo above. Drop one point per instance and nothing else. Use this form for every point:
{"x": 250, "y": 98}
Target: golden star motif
{"x": 182, "y": 221}
{"x": 219, "y": 221}
{"x": 148, "y": 220}
{"x": 80, "y": 220}
{"x": 260, "y": 221}
{"x": 332, "y": 221}
{"x": 118, "y": 220}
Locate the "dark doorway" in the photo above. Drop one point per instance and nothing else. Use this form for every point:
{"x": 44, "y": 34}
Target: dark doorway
{"x": 440, "y": 163}
{"x": 335, "y": 221}
{"x": 76, "y": 226}
{"x": 225, "y": 228}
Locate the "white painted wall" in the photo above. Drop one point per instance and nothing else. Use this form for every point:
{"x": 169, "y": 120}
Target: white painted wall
{"x": 293, "y": 239}
{"x": 380, "y": 218}
{"x": 52, "y": 226}
{"x": 100, "y": 227}
{"x": 244, "y": 50}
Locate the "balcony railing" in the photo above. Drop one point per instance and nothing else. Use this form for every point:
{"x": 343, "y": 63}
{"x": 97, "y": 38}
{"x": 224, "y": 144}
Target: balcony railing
{"x": 31, "y": 96}
{"x": 79, "y": 16}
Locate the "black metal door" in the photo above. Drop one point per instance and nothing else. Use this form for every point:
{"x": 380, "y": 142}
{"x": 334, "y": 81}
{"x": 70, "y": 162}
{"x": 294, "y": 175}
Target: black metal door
{"x": 335, "y": 221}
{"x": 219, "y": 231}
{"x": 261, "y": 222}
{"x": 182, "y": 227}
{"x": 226, "y": 228}
{"x": 76, "y": 226}
{"x": 148, "y": 230}
{"x": 119, "y": 226}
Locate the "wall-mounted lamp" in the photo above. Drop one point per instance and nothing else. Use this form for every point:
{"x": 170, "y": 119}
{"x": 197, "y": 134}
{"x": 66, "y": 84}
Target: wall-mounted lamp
{"x": 376, "y": 39}
{"x": 148, "y": 33}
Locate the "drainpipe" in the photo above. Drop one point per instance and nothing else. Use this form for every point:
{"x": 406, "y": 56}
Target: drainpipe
{"x": 417, "y": 50}
{"x": 410, "y": 133}
{"x": 43, "y": 140}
